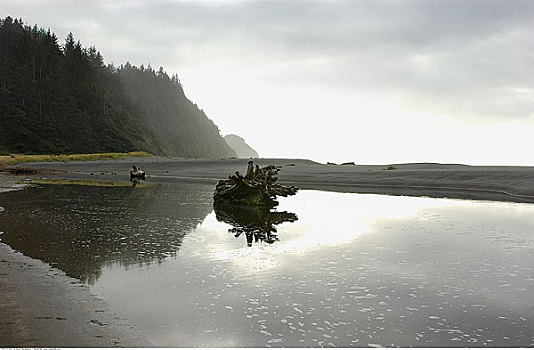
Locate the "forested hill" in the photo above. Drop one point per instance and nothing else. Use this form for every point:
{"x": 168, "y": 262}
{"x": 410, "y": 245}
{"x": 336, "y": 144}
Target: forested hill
{"x": 63, "y": 99}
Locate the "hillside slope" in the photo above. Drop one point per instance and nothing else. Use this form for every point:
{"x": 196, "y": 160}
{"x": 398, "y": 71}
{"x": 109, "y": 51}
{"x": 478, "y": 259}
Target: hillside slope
{"x": 241, "y": 148}
{"x": 64, "y": 99}
{"x": 177, "y": 123}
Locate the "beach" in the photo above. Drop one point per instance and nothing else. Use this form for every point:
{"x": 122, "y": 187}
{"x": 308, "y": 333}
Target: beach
{"x": 41, "y": 306}
{"x": 499, "y": 183}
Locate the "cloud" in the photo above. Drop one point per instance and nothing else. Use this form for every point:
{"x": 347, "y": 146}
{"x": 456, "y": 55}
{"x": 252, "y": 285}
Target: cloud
{"x": 464, "y": 60}
{"x": 436, "y": 50}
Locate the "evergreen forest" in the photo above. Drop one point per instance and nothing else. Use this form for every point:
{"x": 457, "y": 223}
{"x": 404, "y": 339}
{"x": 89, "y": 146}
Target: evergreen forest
{"x": 63, "y": 99}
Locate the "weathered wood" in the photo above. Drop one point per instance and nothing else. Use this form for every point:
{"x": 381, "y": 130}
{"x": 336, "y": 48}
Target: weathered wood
{"x": 257, "y": 187}
{"x": 137, "y": 173}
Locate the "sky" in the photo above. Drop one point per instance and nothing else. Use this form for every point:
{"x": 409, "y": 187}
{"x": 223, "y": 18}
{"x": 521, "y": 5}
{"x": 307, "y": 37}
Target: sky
{"x": 364, "y": 81}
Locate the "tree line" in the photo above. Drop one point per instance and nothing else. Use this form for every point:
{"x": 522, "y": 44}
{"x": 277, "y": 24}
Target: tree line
{"x": 64, "y": 99}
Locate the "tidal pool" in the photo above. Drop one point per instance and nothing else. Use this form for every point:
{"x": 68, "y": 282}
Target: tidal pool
{"x": 334, "y": 269}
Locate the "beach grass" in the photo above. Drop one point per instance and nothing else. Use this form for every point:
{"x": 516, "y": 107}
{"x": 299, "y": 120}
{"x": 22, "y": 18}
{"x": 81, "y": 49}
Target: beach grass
{"x": 32, "y": 158}
{"x": 97, "y": 183}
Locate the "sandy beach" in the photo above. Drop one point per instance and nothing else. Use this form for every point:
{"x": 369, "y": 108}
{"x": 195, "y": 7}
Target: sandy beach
{"x": 499, "y": 183}
{"x": 41, "y": 306}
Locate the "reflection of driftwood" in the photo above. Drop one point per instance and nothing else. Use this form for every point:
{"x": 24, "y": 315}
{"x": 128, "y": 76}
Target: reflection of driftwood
{"x": 258, "y": 223}
{"x": 258, "y": 186}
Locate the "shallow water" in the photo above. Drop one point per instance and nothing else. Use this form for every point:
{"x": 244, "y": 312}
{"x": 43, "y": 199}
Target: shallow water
{"x": 352, "y": 271}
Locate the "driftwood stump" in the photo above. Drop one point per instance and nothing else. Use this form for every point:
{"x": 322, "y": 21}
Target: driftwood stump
{"x": 257, "y": 187}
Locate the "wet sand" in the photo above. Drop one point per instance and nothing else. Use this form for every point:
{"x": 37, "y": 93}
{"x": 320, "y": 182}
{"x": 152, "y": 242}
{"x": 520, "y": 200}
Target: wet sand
{"x": 41, "y": 306}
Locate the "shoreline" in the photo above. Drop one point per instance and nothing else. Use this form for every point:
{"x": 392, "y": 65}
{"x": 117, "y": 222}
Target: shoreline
{"x": 453, "y": 181}
{"x": 41, "y": 306}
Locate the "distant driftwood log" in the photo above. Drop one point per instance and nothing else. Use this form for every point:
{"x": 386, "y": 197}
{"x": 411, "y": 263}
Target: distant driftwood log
{"x": 137, "y": 173}
{"x": 257, "y": 187}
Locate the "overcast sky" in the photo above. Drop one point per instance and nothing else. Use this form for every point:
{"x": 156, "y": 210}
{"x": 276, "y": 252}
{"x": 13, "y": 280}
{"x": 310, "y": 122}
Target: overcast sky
{"x": 365, "y": 81}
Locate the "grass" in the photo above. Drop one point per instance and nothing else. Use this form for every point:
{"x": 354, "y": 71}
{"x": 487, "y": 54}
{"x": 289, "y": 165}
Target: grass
{"x": 32, "y": 158}
{"x": 86, "y": 183}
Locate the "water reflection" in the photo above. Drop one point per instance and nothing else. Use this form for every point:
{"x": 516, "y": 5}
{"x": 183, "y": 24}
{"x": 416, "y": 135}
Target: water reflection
{"x": 136, "y": 181}
{"x": 80, "y": 229}
{"x": 353, "y": 271}
{"x": 258, "y": 223}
